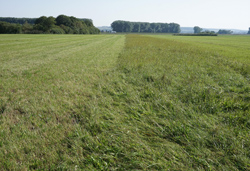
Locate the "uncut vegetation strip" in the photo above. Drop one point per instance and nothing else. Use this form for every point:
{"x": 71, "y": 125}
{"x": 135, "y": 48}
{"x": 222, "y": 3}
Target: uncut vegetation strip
{"x": 198, "y": 100}
{"x": 180, "y": 101}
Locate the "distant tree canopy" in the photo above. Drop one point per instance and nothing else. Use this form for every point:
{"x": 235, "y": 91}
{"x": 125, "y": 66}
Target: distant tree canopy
{"x": 61, "y": 25}
{"x": 249, "y": 31}
{"x": 18, "y": 20}
{"x": 142, "y": 27}
{"x": 225, "y": 32}
{"x": 10, "y": 28}
{"x": 197, "y": 29}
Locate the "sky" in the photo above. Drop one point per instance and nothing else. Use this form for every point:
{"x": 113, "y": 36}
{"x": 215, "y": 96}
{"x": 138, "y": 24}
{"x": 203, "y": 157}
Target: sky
{"x": 222, "y": 14}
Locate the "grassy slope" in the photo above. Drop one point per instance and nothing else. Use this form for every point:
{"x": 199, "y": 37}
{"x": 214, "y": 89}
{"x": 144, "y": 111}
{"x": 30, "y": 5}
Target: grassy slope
{"x": 69, "y": 102}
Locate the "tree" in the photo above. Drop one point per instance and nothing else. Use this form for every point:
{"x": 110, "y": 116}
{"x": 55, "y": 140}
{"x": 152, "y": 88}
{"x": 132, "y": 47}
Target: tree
{"x": 143, "y": 27}
{"x": 44, "y": 24}
{"x": 61, "y": 25}
{"x": 9, "y": 28}
{"x": 88, "y": 22}
{"x": 117, "y": 26}
{"x": 27, "y": 28}
{"x": 127, "y": 27}
{"x": 174, "y": 28}
{"x": 40, "y": 20}
{"x": 153, "y": 27}
{"x": 57, "y": 30}
{"x": 165, "y": 28}
{"x": 63, "y": 20}
{"x": 137, "y": 28}
{"x": 249, "y": 31}
{"x": 177, "y": 28}
{"x": 225, "y": 32}
{"x": 197, "y": 29}
{"x": 18, "y": 20}
{"x": 158, "y": 28}
{"x": 49, "y": 23}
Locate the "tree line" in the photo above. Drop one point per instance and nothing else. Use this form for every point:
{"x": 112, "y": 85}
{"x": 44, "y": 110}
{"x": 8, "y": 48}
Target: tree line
{"x": 225, "y": 32}
{"x": 60, "y": 25}
{"x": 144, "y": 27}
{"x": 196, "y": 34}
{"x": 198, "y": 30}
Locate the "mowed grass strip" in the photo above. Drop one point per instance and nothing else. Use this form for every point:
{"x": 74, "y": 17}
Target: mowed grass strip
{"x": 43, "y": 79}
{"x": 157, "y": 104}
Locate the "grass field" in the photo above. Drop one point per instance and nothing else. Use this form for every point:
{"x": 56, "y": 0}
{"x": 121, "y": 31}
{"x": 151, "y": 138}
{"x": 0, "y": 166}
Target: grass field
{"x": 124, "y": 102}
{"x": 230, "y": 46}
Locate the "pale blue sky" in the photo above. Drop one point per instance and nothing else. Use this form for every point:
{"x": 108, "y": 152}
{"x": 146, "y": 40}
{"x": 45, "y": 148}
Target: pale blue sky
{"x": 203, "y": 13}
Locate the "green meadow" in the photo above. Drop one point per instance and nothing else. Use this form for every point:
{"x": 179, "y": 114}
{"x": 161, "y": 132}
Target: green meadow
{"x": 124, "y": 102}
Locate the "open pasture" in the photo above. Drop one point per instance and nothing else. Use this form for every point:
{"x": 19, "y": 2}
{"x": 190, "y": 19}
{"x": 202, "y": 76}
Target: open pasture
{"x": 126, "y": 102}
{"x": 230, "y": 46}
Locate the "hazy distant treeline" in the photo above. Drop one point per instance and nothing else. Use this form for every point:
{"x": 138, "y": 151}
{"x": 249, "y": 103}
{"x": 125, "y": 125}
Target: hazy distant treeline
{"x": 196, "y": 34}
{"x": 61, "y": 25}
{"x": 143, "y": 27}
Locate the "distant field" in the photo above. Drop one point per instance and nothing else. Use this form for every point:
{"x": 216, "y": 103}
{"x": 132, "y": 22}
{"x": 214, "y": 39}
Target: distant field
{"x": 124, "y": 102}
{"x": 234, "y": 46}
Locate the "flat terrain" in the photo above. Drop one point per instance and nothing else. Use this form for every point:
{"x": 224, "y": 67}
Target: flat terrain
{"x": 234, "y": 46}
{"x": 124, "y": 102}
